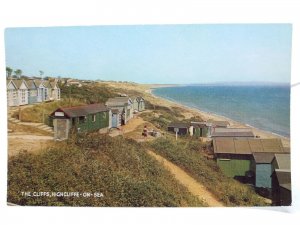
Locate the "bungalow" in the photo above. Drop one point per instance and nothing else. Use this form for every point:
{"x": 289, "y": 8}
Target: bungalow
{"x": 235, "y": 156}
{"x": 124, "y": 105}
{"x": 84, "y": 118}
{"x": 232, "y": 132}
{"x": 138, "y": 104}
{"x": 22, "y": 91}
{"x": 12, "y": 93}
{"x": 183, "y": 128}
{"x": 32, "y": 91}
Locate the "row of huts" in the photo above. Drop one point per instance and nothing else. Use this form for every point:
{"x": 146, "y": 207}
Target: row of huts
{"x": 24, "y": 92}
{"x": 243, "y": 156}
{"x": 113, "y": 114}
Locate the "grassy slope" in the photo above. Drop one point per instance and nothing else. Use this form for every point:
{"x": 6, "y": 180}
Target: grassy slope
{"x": 119, "y": 168}
{"x": 206, "y": 171}
{"x": 186, "y": 155}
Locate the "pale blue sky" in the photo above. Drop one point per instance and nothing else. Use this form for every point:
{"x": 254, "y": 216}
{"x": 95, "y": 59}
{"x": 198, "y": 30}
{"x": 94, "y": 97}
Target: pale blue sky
{"x": 155, "y": 54}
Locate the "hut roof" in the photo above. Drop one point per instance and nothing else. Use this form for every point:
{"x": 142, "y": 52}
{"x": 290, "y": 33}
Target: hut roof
{"x": 115, "y": 110}
{"x": 83, "y": 110}
{"x": 31, "y": 84}
{"x": 47, "y": 84}
{"x": 218, "y": 123}
{"x": 179, "y": 125}
{"x": 232, "y": 132}
{"x": 18, "y": 82}
{"x": 284, "y": 178}
{"x": 263, "y": 157}
{"x": 247, "y": 145}
{"x": 118, "y": 101}
{"x": 283, "y": 161}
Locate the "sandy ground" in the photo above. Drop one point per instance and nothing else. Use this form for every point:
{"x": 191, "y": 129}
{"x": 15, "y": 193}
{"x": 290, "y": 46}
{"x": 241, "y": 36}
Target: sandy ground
{"x": 186, "y": 180}
{"x": 25, "y": 142}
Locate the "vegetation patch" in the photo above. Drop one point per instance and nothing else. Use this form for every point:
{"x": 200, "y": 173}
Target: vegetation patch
{"x": 185, "y": 154}
{"x": 116, "y": 167}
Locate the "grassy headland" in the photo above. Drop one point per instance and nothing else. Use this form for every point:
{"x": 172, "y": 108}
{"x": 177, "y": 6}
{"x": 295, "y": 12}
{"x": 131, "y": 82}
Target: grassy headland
{"x": 120, "y": 167}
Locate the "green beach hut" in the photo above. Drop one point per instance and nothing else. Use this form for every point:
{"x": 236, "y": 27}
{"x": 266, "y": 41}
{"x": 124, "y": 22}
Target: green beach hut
{"x": 86, "y": 118}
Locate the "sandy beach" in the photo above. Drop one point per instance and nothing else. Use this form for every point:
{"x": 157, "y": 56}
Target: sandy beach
{"x": 189, "y": 112}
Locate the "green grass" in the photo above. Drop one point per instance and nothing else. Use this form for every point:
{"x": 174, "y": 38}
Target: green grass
{"x": 116, "y": 167}
{"x": 39, "y": 113}
{"x": 185, "y": 154}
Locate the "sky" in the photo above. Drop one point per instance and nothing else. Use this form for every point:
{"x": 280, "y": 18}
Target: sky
{"x": 166, "y": 54}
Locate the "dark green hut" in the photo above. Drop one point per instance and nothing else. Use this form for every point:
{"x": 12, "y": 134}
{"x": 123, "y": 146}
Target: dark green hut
{"x": 81, "y": 118}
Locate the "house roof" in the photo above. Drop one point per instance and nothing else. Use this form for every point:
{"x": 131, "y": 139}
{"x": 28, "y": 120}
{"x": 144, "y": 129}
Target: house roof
{"x": 218, "y": 123}
{"x": 82, "y": 110}
{"x": 247, "y": 145}
{"x": 283, "y": 161}
{"x": 232, "y": 132}
{"x": 284, "y": 178}
{"x": 179, "y": 125}
{"x": 118, "y": 101}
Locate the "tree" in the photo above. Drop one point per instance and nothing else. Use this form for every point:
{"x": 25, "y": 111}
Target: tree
{"x": 8, "y": 72}
{"x": 41, "y": 73}
{"x": 18, "y": 72}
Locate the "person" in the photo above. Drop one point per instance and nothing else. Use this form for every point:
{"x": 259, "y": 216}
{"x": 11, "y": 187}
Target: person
{"x": 145, "y": 131}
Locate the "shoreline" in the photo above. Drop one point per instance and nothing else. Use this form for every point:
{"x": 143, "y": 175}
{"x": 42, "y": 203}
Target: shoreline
{"x": 206, "y": 115}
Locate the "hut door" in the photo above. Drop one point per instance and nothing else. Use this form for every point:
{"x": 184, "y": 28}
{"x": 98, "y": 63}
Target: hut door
{"x": 61, "y": 129}
{"x": 114, "y": 120}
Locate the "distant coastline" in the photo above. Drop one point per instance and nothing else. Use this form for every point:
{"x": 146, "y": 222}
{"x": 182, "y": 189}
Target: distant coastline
{"x": 209, "y": 115}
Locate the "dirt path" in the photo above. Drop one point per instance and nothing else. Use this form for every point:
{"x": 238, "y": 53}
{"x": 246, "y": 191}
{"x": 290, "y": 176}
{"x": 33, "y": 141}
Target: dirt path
{"x": 192, "y": 185}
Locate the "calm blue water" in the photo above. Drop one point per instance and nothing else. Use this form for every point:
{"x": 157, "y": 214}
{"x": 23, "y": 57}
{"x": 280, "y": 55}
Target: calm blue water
{"x": 263, "y": 107}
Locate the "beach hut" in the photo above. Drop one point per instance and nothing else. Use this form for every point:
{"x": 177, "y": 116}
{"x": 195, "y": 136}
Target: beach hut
{"x": 200, "y": 129}
{"x": 48, "y": 90}
{"x": 116, "y": 118}
{"x": 12, "y": 93}
{"x": 211, "y": 124}
{"x": 234, "y": 155}
{"x": 85, "y": 118}
{"x": 263, "y": 169}
{"x": 55, "y": 91}
{"x": 232, "y": 132}
{"x": 281, "y": 187}
{"x": 183, "y": 128}
{"x": 32, "y": 92}
{"x": 138, "y": 104}
{"x": 41, "y": 90}
{"x": 124, "y": 105}
{"x": 22, "y": 91}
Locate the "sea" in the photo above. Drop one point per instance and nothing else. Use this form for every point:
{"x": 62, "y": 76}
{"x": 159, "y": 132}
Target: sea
{"x": 263, "y": 107}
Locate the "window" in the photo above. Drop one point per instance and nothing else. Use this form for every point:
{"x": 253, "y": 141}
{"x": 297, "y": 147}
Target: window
{"x": 93, "y": 117}
{"x": 82, "y": 119}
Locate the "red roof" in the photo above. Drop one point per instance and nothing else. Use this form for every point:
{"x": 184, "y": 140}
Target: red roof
{"x": 83, "y": 110}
